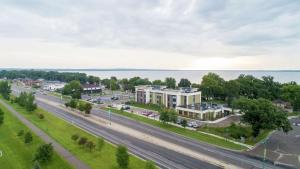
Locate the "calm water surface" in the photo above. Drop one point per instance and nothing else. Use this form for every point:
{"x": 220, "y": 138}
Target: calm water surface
{"x": 194, "y": 76}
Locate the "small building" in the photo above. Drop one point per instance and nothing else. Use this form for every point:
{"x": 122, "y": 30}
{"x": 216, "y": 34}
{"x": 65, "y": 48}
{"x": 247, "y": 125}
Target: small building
{"x": 92, "y": 88}
{"x": 32, "y": 83}
{"x": 53, "y": 85}
{"x": 186, "y": 101}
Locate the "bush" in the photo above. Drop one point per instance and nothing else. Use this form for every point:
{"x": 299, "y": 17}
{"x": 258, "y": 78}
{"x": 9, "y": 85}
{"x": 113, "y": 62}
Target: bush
{"x": 82, "y": 141}
{"x": 81, "y": 106}
{"x": 41, "y": 116}
{"x": 20, "y": 133}
{"x": 44, "y": 153}
{"x": 122, "y": 157}
{"x": 75, "y": 137}
{"x": 90, "y": 145}
{"x": 28, "y": 138}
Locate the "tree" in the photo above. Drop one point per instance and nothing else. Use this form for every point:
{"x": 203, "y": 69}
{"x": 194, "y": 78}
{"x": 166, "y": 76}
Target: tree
{"x": 81, "y": 106}
{"x": 122, "y": 157}
{"x": 93, "y": 80}
{"x": 44, "y": 153}
{"x": 164, "y": 116}
{"x": 1, "y": 117}
{"x": 150, "y": 165}
{"x": 100, "y": 143}
{"x": 73, "y": 89}
{"x": 170, "y": 82}
{"x": 87, "y": 108}
{"x": 184, "y": 123}
{"x": 262, "y": 114}
{"x": 158, "y": 82}
{"x": 28, "y": 138}
{"x": 27, "y": 100}
{"x": 231, "y": 90}
{"x": 5, "y": 89}
{"x": 30, "y": 104}
{"x": 291, "y": 93}
{"x": 36, "y": 165}
{"x": 73, "y": 103}
{"x": 212, "y": 86}
{"x": 172, "y": 116}
{"x": 184, "y": 83}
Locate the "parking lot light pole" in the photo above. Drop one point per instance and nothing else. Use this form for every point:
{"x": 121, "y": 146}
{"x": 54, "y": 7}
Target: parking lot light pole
{"x": 109, "y": 112}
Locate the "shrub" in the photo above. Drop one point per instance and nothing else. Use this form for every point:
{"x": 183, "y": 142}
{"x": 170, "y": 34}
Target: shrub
{"x": 82, "y": 141}
{"x": 28, "y": 138}
{"x": 20, "y": 133}
{"x": 41, "y": 116}
{"x": 75, "y": 137}
{"x": 122, "y": 157}
{"x": 90, "y": 145}
{"x": 44, "y": 153}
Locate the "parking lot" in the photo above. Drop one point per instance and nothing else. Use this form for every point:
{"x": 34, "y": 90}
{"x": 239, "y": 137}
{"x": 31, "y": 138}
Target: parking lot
{"x": 283, "y": 148}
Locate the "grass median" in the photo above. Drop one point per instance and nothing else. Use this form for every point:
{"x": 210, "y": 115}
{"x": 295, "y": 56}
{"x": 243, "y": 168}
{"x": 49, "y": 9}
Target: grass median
{"x": 62, "y": 131}
{"x": 182, "y": 131}
{"x": 15, "y": 153}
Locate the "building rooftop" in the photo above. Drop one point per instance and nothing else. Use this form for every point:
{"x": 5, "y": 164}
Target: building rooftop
{"x": 164, "y": 88}
{"x": 202, "y": 106}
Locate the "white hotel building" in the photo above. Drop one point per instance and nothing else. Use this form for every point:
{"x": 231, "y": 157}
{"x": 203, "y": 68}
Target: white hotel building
{"x": 186, "y": 101}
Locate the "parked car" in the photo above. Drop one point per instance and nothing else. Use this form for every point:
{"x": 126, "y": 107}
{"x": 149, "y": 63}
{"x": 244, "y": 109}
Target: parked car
{"x": 146, "y": 113}
{"x": 114, "y": 98}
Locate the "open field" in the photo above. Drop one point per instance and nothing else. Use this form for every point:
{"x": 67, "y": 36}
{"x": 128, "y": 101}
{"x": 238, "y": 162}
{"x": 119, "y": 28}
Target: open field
{"x": 17, "y": 155}
{"x": 234, "y": 132}
{"x": 62, "y": 131}
{"x": 185, "y": 132}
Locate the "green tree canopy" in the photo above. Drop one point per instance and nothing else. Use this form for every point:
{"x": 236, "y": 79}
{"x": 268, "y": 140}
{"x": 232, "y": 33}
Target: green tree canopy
{"x": 262, "y": 114}
{"x": 5, "y": 89}
{"x": 44, "y": 153}
{"x": 170, "y": 82}
{"x": 122, "y": 157}
{"x": 184, "y": 83}
{"x": 212, "y": 86}
{"x": 73, "y": 89}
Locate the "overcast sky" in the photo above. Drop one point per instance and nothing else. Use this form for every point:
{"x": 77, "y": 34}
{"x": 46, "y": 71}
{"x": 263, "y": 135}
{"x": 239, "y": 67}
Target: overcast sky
{"x": 156, "y": 34}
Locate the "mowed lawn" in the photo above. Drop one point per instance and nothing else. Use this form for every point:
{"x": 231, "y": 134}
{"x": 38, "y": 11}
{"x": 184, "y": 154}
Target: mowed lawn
{"x": 15, "y": 153}
{"x": 62, "y": 131}
{"x": 182, "y": 131}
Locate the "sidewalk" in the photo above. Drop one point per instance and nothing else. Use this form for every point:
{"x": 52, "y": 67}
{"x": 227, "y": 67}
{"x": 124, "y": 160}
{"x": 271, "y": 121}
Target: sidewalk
{"x": 57, "y": 147}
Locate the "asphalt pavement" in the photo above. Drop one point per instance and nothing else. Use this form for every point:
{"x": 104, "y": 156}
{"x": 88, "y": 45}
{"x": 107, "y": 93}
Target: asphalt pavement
{"x": 164, "y": 157}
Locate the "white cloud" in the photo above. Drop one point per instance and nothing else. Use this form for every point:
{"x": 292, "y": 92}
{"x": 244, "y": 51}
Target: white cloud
{"x": 178, "y": 31}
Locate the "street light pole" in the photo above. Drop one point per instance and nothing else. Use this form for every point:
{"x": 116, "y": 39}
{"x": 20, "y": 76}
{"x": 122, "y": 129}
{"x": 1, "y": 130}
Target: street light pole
{"x": 265, "y": 153}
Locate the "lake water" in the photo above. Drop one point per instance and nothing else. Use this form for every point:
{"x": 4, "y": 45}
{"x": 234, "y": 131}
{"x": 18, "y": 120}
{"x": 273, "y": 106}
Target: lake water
{"x": 194, "y": 76}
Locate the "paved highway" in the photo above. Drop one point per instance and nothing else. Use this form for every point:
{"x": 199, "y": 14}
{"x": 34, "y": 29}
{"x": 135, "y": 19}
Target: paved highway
{"x": 165, "y": 158}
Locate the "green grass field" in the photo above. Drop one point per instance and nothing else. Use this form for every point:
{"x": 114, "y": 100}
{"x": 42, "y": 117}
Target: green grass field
{"x": 185, "y": 132}
{"x": 62, "y": 131}
{"x": 17, "y": 155}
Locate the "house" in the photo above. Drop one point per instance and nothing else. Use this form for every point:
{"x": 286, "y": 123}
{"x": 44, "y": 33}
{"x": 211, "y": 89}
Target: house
{"x": 32, "y": 83}
{"x": 92, "y": 88}
{"x": 186, "y": 101}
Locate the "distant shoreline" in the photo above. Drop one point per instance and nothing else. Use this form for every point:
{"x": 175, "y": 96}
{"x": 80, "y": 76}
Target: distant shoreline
{"x": 125, "y": 69}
